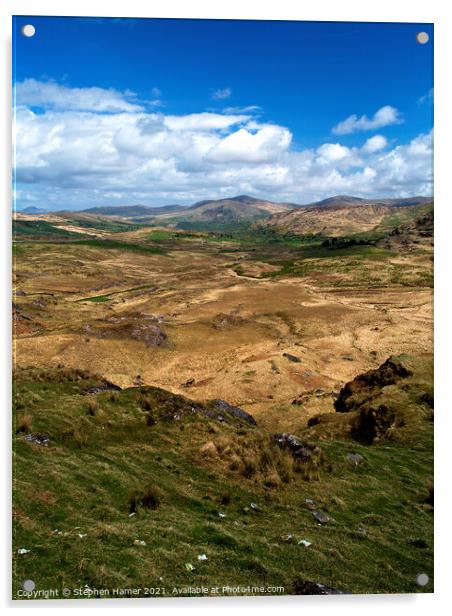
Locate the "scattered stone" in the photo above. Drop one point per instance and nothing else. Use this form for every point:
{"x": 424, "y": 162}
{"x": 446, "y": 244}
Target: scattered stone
{"x": 356, "y": 458}
{"x": 104, "y": 386}
{"x": 38, "y": 438}
{"x": 275, "y": 368}
{"x": 188, "y": 383}
{"x": 287, "y": 538}
{"x": 139, "y": 542}
{"x": 321, "y": 517}
{"x": 306, "y": 587}
{"x": 293, "y": 358}
{"x": 254, "y": 506}
{"x": 305, "y": 542}
{"x": 23, "y": 551}
{"x": 202, "y": 557}
{"x": 310, "y": 504}
{"x": 189, "y": 567}
{"x": 221, "y": 515}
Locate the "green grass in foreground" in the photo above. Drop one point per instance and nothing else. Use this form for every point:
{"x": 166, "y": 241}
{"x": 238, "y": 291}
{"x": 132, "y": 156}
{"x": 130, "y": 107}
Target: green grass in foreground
{"x": 71, "y": 501}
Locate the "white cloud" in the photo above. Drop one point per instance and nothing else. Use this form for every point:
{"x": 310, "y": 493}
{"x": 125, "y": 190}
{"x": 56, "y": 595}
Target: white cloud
{"x": 51, "y": 95}
{"x": 426, "y": 98}
{"x": 264, "y": 145}
{"x": 77, "y": 158}
{"x": 375, "y": 144}
{"x": 203, "y": 121}
{"x": 221, "y": 94}
{"x": 385, "y": 116}
{"x": 331, "y": 152}
{"x": 245, "y": 109}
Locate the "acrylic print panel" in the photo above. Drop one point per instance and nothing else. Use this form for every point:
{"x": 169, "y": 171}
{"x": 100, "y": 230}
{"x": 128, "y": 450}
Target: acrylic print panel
{"x": 223, "y": 239}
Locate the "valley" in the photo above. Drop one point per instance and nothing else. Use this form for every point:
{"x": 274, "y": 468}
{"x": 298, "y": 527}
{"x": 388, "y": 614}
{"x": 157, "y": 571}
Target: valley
{"x": 269, "y": 307}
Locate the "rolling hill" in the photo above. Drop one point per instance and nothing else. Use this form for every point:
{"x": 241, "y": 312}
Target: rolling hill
{"x": 132, "y": 211}
{"x": 228, "y": 211}
{"x": 342, "y": 215}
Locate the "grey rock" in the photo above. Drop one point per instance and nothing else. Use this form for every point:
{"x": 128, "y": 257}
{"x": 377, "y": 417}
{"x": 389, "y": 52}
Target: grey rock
{"x": 236, "y": 411}
{"x": 38, "y": 438}
{"x": 356, "y": 458}
{"x": 300, "y": 451}
{"x": 306, "y": 587}
{"x": 291, "y": 357}
{"x": 321, "y": 517}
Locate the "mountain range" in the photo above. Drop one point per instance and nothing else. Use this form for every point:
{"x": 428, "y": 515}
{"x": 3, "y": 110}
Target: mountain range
{"x": 337, "y": 215}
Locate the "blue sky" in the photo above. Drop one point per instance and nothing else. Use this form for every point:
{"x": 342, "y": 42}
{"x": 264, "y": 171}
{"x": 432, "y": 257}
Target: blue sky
{"x": 300, "y": 98}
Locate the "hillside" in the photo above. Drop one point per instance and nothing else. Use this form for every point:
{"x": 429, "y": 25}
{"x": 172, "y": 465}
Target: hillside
{"x": 132, "y": 211}
{"x": 142, "y": 488}
{"x": 412, "y": 234}
{"x": 334, "y": 218}
{"x": 358, "y": 201}
{"x": 228, "y": 211}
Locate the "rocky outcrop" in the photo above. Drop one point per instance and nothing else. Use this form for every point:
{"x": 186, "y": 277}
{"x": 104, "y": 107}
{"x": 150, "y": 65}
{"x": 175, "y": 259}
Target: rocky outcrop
{"x": 302, "y": 452}
{"x": 368, "y": 385}
{"x": 225, "y": 409}
{"x": 306, "y": 587}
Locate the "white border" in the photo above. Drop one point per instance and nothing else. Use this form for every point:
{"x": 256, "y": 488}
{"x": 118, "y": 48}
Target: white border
{"x": 436, "y": 11}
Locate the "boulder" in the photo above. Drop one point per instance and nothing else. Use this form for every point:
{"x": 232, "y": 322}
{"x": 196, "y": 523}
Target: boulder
{"x": 300, "y": 451}
{"x": 235, "y": 411}
{"x": 306, "y": 587}
{"x": 292, "y": 358}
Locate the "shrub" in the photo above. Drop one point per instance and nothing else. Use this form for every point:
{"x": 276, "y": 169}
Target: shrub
{"x": 145, "y": 403}
{"x": 92, "y": 407}
{"x": 225, "y": 498}
{"x": 272, "y": 480}
{"x": 24, "y": 423}
{"x": 80, "y": 438}
{"x": 151, "y": 498}
{"x": 249, "y": 468}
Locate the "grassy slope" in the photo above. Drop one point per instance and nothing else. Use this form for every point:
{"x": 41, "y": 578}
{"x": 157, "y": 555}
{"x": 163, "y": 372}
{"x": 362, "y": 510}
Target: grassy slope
{"x": 34, "y": 229}
{"x": 82, "y": 481}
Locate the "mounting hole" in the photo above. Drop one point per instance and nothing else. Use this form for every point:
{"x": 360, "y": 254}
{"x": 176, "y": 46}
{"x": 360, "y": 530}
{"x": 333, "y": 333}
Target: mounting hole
{"x": 422, "y": 38}
{"x": 28, "y": 30}
{"x": 422, "y": 579}
{"x": 28, "y": 585}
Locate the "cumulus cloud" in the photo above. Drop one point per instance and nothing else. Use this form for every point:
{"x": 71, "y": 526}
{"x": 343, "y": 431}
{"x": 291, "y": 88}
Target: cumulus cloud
{"x": 385, "y": 116}
{"x": 77, "y": 157}
{"x": 51, "y": 95}
{"x": 264, "y": 145}
{"x": 375, "y": 143}
{"x": 332, "y": 152}
{"x": 221, "y": 94}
